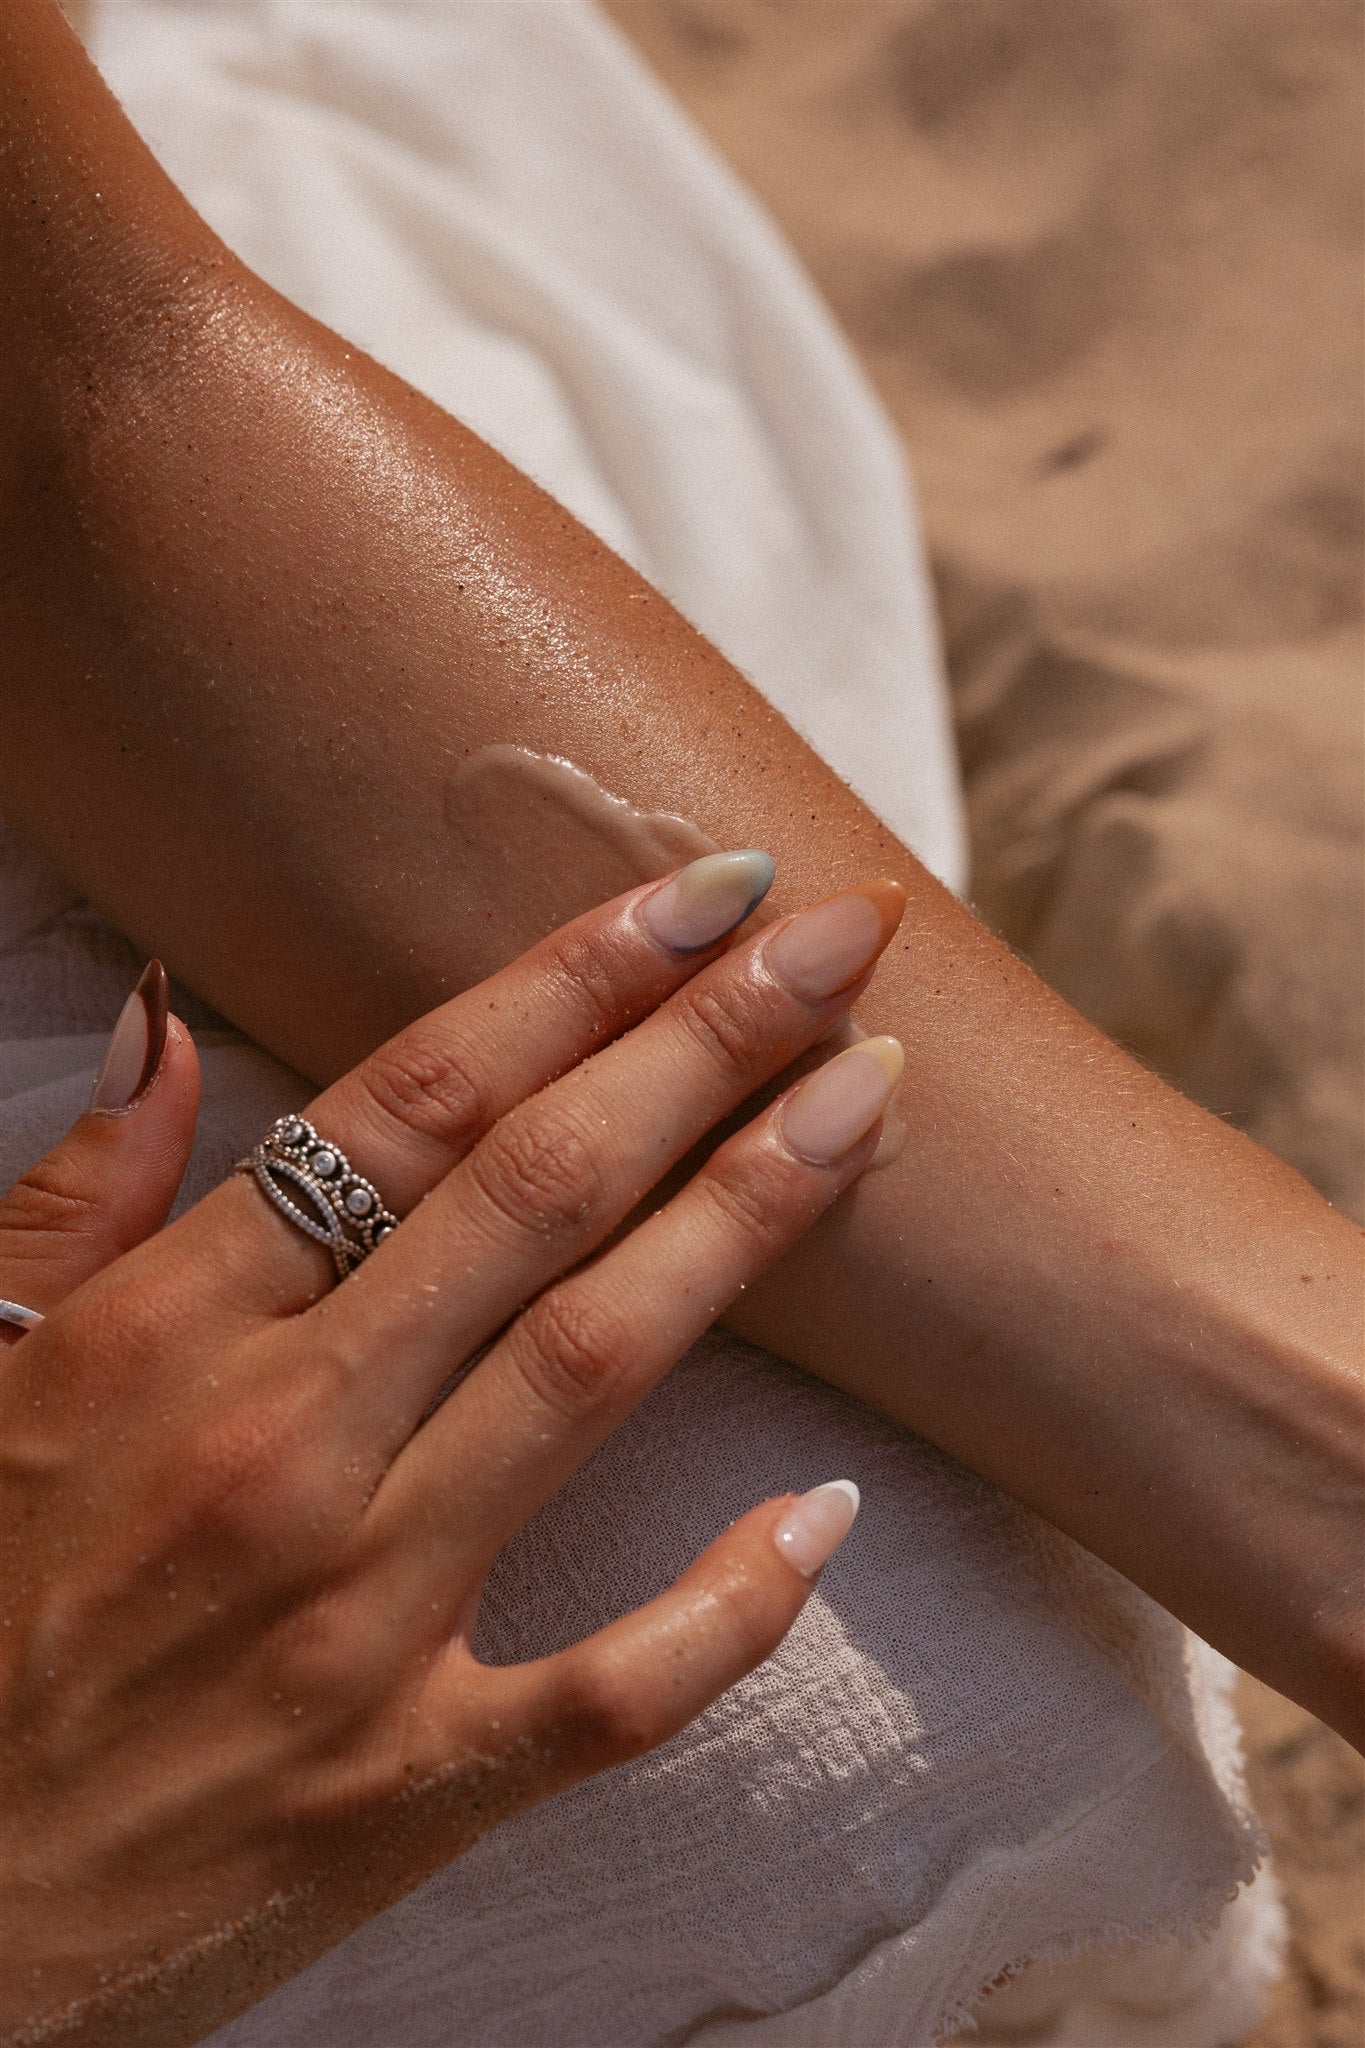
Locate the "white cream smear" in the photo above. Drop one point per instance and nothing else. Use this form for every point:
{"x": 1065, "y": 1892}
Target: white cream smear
{"x": 540, "y": 842}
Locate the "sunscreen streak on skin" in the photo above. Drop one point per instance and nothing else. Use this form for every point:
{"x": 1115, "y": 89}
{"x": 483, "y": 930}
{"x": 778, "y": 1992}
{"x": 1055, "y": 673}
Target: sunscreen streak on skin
{"x": 506, "y": 792}
{"x": 568, "y": 843}
{"x": 572, "y": 844}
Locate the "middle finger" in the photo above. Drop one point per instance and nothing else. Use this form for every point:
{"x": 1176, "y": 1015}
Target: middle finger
{"x": 558, "y": 1173}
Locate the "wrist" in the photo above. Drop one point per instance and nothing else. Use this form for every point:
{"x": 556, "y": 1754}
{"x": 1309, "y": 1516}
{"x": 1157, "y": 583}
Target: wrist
{"x": 1175, "y": 1384}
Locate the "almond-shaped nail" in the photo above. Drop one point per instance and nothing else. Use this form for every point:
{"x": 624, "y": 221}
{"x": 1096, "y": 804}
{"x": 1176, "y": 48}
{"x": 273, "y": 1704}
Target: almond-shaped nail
{"x": 813, "y": 1527}
{"x": 837, "y": 1104}
{"x": 136, "y": 1046}
{"x": 831, "y": 944}
{"x": 707, "y": 899}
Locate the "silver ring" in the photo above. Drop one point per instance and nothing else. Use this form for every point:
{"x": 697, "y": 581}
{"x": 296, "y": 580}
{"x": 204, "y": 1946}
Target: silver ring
{"x": 344, "y": 1211}
{"x": 21, "y": 1318}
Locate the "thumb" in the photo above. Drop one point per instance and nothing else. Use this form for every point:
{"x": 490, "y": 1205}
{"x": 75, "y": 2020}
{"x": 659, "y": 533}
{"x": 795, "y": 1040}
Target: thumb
{"x": 635, "y": 1683}
{"x": 109, "y": 1183}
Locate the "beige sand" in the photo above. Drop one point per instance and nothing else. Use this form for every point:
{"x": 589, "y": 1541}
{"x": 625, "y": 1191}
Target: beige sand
{"x": 1102, "y": 259}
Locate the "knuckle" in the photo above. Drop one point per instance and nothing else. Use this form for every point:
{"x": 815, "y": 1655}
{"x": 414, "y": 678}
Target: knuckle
{"x": 111, "y": 1335}
{"x": 540, "y": 1171}
{"x": 586, "y": 973}
{"x": 605, "y": 1715}
{"x": 139, "y": 1317}
{"x": 54, "y": 1198}
{"x": 118, "y": 1324}
{"x": 429, "y": 1087}
{"x": 729, "y": 1021}
{"x": 325, "y": 1660}
{"x": 572, "y": 1351}
{"x": 224, "y": 1481}
{"x": 746, "y": 1193}
{"x": 251, "y": 1483}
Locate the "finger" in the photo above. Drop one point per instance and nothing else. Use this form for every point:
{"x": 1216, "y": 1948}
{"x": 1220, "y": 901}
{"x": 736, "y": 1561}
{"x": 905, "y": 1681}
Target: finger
{"x": 414, "y": 1109}
{"x": 635, "y": 1683}
{"x": 109, "y": 1183}
{"x": 586, "y": 1352}
{"x": 559, "y": 1172}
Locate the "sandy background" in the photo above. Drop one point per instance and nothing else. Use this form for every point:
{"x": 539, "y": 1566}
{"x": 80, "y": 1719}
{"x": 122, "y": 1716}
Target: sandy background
{"x": 1102, "y": 258}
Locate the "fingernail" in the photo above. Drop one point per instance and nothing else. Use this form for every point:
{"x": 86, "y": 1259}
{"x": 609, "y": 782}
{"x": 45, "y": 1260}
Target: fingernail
{"x": 135, "y": 1049}
{"x": 830, "y": 945}
{"x": 707, "y": 900}
{"x": 839, "y": 1102}
{"x": 813, "y": 1527}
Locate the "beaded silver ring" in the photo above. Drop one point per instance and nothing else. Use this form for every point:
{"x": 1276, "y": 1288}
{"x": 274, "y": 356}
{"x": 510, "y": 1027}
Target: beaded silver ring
{"x": 344, "y": 1210}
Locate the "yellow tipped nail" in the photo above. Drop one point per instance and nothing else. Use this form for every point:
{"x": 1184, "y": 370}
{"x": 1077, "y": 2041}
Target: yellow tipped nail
{"x": 839, "y": 1103}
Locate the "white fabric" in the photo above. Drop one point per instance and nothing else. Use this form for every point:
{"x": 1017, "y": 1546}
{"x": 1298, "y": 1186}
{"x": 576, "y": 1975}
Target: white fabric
{"x": 637, "y": 339}
{"x": 978, "y": 1745}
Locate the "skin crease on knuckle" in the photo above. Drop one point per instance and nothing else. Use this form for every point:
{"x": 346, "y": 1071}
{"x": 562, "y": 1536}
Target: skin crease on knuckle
{"x": 541, "y": 1171}
{"x": 606, "y": 1714}
{"x": 731, "y": 1019}
{"x": 428, "y": 1086}
{"x": 587, "y": 973}
{"x": 573, "y": 1351}
{"x": 49, "y": 1199}
{"x": 755, "y": 1188}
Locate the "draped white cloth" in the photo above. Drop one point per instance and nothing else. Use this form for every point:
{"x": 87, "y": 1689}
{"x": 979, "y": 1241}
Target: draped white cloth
{"x": 978, "y": 1746}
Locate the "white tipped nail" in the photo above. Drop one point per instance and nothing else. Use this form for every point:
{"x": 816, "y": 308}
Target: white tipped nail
{"x": 813, "y": 1527}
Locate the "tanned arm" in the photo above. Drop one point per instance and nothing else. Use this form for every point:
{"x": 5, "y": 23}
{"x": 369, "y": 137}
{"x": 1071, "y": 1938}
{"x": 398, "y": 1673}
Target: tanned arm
{"x": 259, "y": 601}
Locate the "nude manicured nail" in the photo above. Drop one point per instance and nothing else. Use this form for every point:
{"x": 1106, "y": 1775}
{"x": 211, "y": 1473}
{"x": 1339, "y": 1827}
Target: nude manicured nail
{"x": 135, "y": 1049}
{"x": 833, "y": 942}
{"x": 813, "y": 1527}
{"x": 707, "y": 899}
{"x": 840, "y": 1102}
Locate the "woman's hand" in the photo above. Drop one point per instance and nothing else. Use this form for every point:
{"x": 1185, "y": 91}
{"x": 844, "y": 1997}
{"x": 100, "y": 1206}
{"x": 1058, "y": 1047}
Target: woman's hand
{"x": 244, "y": 1534}
{"x": 1087, "y": 1290}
